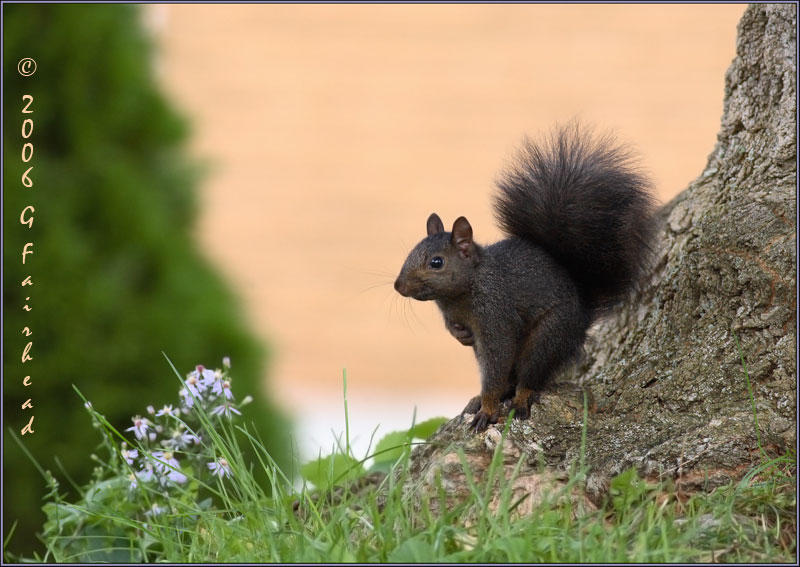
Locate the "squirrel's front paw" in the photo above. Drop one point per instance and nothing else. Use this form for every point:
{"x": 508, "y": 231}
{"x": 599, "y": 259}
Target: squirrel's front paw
{"x": 462, "y": 334}
{"x": 482, "y": 420}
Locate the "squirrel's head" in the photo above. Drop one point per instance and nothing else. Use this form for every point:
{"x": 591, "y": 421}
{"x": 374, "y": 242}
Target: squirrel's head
{"x": 442, "y": 264}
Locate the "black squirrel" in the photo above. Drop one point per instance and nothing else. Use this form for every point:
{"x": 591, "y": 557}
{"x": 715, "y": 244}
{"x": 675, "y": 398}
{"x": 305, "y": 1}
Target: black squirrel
{"x": 579, "y": 219}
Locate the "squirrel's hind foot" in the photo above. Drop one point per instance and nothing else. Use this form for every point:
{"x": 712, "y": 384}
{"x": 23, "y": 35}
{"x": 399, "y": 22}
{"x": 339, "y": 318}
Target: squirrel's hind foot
{"x": 520, "y": 412}
{"x": 472, "y": 406}
{"x": 522, "y": 401}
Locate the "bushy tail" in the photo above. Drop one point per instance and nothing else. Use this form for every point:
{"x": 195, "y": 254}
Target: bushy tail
{"x": 583, "y": 200}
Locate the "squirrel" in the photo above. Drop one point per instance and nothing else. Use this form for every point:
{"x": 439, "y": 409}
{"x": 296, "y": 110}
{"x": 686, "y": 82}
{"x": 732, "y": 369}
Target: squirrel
{"x": 578, "y": 216}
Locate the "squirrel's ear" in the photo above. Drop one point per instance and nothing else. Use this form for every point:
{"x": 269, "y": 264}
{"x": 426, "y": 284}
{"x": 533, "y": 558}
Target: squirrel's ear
{"x": 435, "y": 224}
{"x": 462, "y": 237}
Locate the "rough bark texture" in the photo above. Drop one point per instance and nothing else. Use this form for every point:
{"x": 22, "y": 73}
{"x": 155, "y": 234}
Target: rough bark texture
{"x": 665, "y": 384}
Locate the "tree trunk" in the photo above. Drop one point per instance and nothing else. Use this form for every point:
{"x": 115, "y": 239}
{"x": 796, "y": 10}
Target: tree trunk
{"x": 665, "y": 384}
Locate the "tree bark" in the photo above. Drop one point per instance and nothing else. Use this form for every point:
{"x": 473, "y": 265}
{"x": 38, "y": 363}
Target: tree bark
{"x": 665, "y": 385}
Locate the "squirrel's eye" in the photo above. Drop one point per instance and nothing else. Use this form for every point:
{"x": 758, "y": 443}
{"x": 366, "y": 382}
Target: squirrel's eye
{"x": 437, "y": 262}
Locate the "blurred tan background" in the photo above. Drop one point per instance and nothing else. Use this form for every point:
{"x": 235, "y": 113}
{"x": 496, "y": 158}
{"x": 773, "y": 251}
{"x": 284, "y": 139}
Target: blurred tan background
{"x": 334, "y": 130}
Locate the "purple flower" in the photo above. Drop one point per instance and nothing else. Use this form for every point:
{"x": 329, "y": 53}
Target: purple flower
{"x": 168, "y": 466}
{"x": 226, "y": 409}
{"x": 216, "y": 385}
{"x": 220, "y": 468}
{"x": 200, "y": 378}
{"x": 181, "y": 439}
{"x": 215, "y": 378}
{"x": 140, "y": 426}
{"x": 194, "y": 385}
{"x": 176, "y": 477}
{"x": 166, "y": 410}
{"x": 226, "y": 387}
{"x": 146, "y": 473}
{"x": 129, "y": 455}
{"x": 164, "y": 460}
{"x": 155, "y": 510}
{"x": 226, "y": 362}
{"x": 188, "y": 400}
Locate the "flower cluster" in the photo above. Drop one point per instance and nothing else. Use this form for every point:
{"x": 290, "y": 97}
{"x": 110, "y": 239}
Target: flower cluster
{"x": 171, "y": 439}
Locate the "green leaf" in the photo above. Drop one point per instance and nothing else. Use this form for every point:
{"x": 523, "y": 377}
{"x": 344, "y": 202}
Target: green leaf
{"x": 61, "y": 517}
{"x": 392, "y": 446}
{"x": 427, "y": 428}
{"x": 626, "y": 489}
{"x": 381, "y": 467}
{"x": 414, "y": 550}
{"x": 331, "y": 470}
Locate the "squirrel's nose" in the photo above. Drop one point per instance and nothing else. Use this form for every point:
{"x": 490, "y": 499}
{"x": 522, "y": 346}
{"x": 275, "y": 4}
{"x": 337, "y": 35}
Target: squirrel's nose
{"x": 400, "y": 288}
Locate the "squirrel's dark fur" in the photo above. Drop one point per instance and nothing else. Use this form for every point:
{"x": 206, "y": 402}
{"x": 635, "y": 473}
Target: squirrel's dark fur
{"x": 578, "y": 216}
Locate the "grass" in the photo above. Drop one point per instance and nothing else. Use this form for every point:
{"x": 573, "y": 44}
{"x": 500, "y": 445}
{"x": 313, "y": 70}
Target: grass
{"x": 361, "y": 513}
